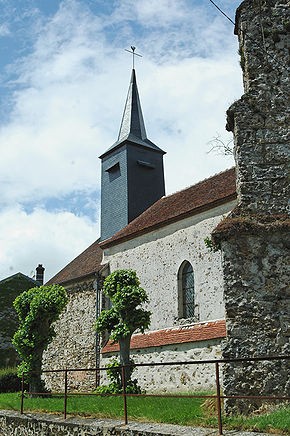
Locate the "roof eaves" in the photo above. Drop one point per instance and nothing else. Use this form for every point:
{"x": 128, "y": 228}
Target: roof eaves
{"x": 74, "y": 279}
{"x": 20, "y": 274}
{"x": 111, "y": 242}
{"x": 131, "y": 140}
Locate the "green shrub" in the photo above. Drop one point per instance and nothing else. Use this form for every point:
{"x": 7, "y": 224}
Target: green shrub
{"x": 9, "y": 381}
{"x": 115, "y": 377}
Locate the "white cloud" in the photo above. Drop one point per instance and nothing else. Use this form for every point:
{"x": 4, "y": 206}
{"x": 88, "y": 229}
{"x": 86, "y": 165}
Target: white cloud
{"x": 67, "y": 105}
{"x": 161, "y": 13}
{"x": 4, "y": 29}
{"x": 52, "y": 239}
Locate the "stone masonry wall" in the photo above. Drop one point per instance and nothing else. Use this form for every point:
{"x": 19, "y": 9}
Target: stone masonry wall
{"x": 13, "y": 423}
{"x": 178, "y": 378}
{"x": 255, "y": 238}
{"x": 257, "y": 300}
{"x": 260, "y": 120}
{"x": 74, "y": 345}
{"x": 157, "y": 257}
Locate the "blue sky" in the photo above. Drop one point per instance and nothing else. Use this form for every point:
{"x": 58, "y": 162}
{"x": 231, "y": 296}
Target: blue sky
{"x": 64, "y": 76}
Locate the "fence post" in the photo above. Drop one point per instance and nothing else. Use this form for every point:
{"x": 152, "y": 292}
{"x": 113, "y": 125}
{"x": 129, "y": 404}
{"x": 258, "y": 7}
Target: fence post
{"x": 22, "y": 393}
{"x": 218, "y": 392}
{"x": 65, "y": 392}
{"x": 124, "y": 395}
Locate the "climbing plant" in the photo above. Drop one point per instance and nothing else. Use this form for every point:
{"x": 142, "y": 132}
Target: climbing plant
{"x": 37, "y": 309}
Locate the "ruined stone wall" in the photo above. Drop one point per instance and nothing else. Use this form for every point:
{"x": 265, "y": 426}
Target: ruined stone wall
{"x": 255, "y": 238}
{"x": 260, "y": 120}
{"x": 74, "y": 345}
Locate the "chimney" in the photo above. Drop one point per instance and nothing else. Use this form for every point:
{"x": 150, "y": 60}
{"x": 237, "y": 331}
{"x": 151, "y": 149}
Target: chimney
{"x": 40, "y": 274}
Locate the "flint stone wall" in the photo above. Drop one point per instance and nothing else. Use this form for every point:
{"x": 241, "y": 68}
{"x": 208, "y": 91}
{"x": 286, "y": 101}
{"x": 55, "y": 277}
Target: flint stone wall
{"x": 255, "y": 237}
{"x": 74, "y": 345}
{"x": 257, "y": 301}
{"x": 12, "y": 423}
{"x": 157, "y": 257}
{"x": 260, "y": 120}
{"x": 175, "y": 378}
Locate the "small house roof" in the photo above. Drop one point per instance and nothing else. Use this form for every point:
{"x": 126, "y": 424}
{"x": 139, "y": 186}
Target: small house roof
{"x": 86, "y": 264}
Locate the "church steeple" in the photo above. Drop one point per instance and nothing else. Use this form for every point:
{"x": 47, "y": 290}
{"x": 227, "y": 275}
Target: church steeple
{"x": 132, "y": 169}
{"x": 132, "y": 121}
{"x": 132, "y": 125}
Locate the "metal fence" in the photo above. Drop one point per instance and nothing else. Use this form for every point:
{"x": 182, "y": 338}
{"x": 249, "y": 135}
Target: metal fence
{"x": 216, "y": 367}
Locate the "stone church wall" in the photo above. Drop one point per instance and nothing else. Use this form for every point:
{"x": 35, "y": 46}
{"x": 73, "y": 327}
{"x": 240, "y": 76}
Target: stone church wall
{"x": 157, "y": 257}
{"x": 255, "y": 238}
{"x": 177, "y": 378}
{"x": 74, "y": 345}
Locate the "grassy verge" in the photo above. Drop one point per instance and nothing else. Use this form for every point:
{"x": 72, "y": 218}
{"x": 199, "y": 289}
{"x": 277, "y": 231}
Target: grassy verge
{"x": 182, "y": 411}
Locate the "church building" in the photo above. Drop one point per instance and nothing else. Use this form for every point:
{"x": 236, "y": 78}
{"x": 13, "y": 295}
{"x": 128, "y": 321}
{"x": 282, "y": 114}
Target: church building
{"x": 162, "y": 238}
{"x": 230, "y": 303}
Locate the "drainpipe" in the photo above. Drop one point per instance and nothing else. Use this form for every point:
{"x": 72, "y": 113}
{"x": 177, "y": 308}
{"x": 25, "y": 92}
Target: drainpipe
{"x": 98, "y": 310}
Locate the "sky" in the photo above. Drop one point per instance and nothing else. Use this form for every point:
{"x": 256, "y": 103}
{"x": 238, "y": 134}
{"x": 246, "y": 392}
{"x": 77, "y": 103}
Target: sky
{"x": 64, "y": 77}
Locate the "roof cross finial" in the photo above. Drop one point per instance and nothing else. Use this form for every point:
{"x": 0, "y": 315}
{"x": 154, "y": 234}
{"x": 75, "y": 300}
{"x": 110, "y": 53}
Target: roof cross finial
{"x": 133, "y": 53}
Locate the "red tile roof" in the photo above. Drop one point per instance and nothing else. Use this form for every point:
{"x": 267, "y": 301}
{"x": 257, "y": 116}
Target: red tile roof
{"x": 206, "y": 194}
{"x": 87, "y": 263}
{"x": 193, "y": 333}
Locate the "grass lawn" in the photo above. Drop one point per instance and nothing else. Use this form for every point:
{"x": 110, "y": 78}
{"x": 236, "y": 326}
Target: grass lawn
{"x": 182, "y": 411}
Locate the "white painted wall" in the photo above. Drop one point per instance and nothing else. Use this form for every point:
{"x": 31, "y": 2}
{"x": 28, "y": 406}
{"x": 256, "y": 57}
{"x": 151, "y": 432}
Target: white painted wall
{"x": 157, "y": 256}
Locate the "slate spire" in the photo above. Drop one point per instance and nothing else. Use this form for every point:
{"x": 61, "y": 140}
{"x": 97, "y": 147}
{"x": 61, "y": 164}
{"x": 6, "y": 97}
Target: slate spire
{"x": 132, "y": 170}
{"x": 132, "y": 125}
{"x": 132, "y": 120}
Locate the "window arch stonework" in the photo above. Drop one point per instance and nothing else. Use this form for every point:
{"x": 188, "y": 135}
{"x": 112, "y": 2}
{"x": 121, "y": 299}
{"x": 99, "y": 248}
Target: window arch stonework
{"x": 186, "y": 292}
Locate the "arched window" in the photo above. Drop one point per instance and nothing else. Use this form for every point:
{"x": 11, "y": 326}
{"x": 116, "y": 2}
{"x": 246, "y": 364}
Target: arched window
{"x": 186, "y": 303}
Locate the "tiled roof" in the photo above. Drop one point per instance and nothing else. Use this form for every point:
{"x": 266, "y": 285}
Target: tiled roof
{"x": 19, "y": 276}
{"x": 206, "y": 194}
{"x": 193, "y": 333}
{"x": 88, "y": 262}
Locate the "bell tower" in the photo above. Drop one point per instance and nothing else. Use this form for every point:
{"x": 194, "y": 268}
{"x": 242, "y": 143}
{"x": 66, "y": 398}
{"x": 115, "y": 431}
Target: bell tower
{"x": 132, "y": 170}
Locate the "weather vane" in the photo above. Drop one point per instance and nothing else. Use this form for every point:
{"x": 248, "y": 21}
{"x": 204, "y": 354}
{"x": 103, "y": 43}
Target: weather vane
{"x": 133, "y": 53}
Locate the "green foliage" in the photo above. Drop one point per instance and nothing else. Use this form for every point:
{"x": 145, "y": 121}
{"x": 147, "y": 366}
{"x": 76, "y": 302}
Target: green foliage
{"x": 37, "y": 309}
{"x": 211, "y": 245}
{"x": 124, "y": 317}
{"x": 10, "y": 288}
{"x": 9, "y": 381}
{"x": 115, "y": 386}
